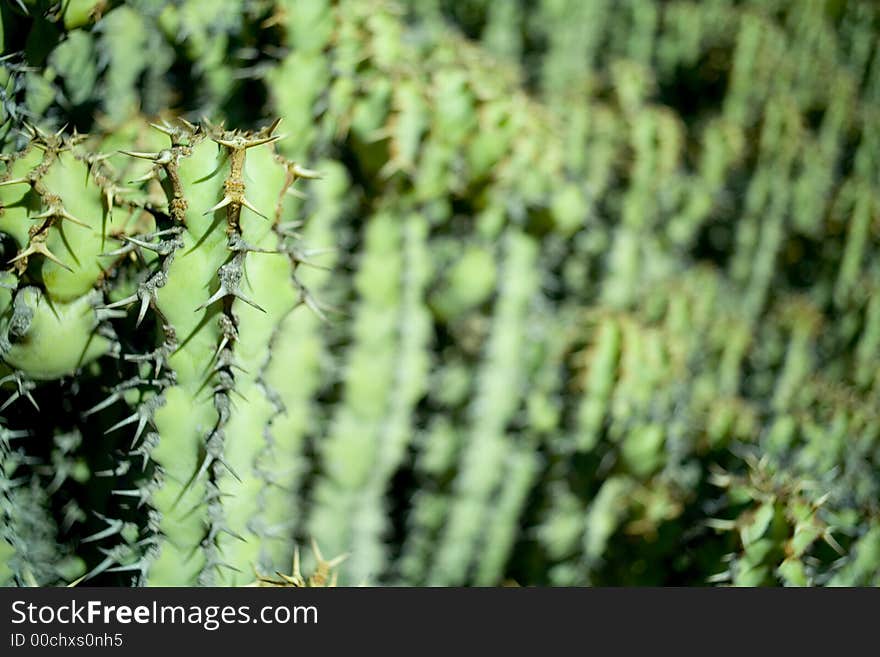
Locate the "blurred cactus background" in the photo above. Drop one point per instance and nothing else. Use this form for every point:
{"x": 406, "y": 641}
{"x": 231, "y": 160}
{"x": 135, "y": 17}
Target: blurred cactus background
{"x": 588, "y": 292}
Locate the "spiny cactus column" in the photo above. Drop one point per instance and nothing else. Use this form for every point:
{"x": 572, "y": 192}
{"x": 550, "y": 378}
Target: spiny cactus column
{"x": 386, "y": 375}
{"x": 300, "y": 338}
{"x": 226, "y": 246}
{"x": 497, "y": 395}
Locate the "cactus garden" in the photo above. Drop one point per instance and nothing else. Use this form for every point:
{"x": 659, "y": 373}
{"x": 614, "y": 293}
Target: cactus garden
{"x": 440, "y": 292}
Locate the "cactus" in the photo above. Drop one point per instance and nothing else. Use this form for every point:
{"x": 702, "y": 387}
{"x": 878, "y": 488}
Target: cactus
{"x": 588, "y": 292}
{"x": 204, "y": 265}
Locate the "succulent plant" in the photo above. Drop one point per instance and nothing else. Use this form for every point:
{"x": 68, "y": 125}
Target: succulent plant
{"x": 602, "y": 307}
{"x": 203, "y": 258}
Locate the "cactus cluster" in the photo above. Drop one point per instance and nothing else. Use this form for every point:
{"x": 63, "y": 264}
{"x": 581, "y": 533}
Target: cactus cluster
{"x": 587, "y": 292}
{"x": 207, "y": 264}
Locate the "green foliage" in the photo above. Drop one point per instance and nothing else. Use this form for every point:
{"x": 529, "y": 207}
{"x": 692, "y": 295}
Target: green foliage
{"x": 603, "y": 307}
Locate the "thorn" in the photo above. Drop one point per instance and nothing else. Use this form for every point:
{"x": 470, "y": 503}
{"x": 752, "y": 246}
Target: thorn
{"x": 248, "y": 301}
{"x": 103, "y": 314}
{"x": 75, "y": 582}
{"x": 119, "y": 304}
{"x": 227, "y": 143}
{"x": 57, "y": 211}
{"x": 240, "y": 394}
{"x": 15, "y": 181}
{"x": 140, "y": 565}
{"x": 292, "y": 191}
{"x": 122, "y": 250}
{"x": 721, "y": 524}
{"x": 9, "y": 401}
{"x": 824, "y": 498}
{"x": 237, "y": 244}
{"x": 100, "y": 406}
{"x": 64, "y": 214}
{"x": 220, "y": 565}
{"x": 289, "y": 230}
{"x": 232, "y": 366}
{"x": 830, "y": 540}
{"x": 229, "y": 468}
{"x": 148, "y": 176}
{"x": 313, "y": 305}
{"x": 223, "y": 343}
{"x": 222, "y": 204}
{"x": 42, "y": 249}
{"x": 141, "y": 494}
{"x": 145, "y": 304}
{"x": 230, "y": 276}
{"x": 250, "y": 207}
{"x": 115, "y": 526}
{"x": 274, "y": 125}
{"x": 243, "y": 143}
{"x": 99, "y": 157}
{"x": 206, "y": 463}
{"x": 44, "y": 215}
{"x": 226, "y": 530}
{"x": 97, "y": 570}
{"x": 164, "y": 247}
{"x": 119, "y": 471}
{"x": 151, "y": 440}
{"x": 140, "y": 417}
{"x": 144, "y": 245}
{"x": 192, "y": 126}
{"x": 219, "y": 294}
{"x": 141, "y": 155}
{"x": 24, "y": 390}
{"x": 223, "y": 292}
{"x": 302, "y": 172}
{"x": 265, "y": 140}
{"x": 323, "y": 563}
{"x": 129, "y": 420}
{"x": 303, "y": 257}
{"x": 164, "y": 129}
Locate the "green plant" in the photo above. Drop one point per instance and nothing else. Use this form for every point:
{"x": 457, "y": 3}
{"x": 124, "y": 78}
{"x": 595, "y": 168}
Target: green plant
{"x": 605, "y": 281}
{"x": 212, "y": 266}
